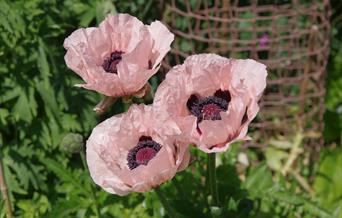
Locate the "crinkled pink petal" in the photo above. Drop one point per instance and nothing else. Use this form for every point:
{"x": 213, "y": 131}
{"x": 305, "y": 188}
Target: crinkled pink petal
{"x": 126, "y": 31}
{"x": 112, "y": 87}
{"x": 162, "y": 39}
{"x": 207, "y": 73}
{"x": 139, "y": 46}
{"x": 213, "y": 132}
{"x": 77, "y": 49}
{"x": 133, "y": 70}
{"x": 202, "y": 76}
{"x": 217, "y": 135}
{"x": 253, "y": 109}
{"x": 250, "y": 74}
{"x": 174, "y": 91}
{"x": 100, "y": 171}
{"x": 111, "y": 141}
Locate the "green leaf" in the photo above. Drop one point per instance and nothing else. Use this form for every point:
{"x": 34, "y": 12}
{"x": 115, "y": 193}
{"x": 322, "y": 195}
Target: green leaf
{"x": 64, "y": 207}
{"x": 316, "y": 210}
{"x": 22, "y": 108}
{"x": 327, "y": 184}
{"x": 103, "y": 8}
{"x": 333, "y": 129}
{"x": 232, "y": 205}
{"x": 64, "y": 174}
{"x": 42, "y": 62}
{"x": 287, "y": 197}
{"x": 35, "y": 207}
{"x": 258, "y": 180}
{"x": 47, "y": 93}
{"x": 10, "y": 94}
{"x": 87, "y": 17}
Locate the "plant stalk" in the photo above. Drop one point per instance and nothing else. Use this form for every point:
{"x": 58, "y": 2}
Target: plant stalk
{"x": 212, "y": 178}
{"x": 4, "y": 192}
{"x": 169, "y": 209}
{"x": 104, "y": 105}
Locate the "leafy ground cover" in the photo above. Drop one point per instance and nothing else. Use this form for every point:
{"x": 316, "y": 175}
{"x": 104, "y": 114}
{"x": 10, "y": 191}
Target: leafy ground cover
{"x": 47, "y": 177}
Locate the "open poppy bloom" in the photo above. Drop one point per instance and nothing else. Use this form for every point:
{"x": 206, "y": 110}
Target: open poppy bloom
{"x": 135, "y": 151}
{"x": 213, "y": 99}
{"x": 118, "y": 57}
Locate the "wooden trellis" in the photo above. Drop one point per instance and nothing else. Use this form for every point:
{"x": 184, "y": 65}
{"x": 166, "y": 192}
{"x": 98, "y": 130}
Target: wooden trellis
{"x": 290, "y": 37}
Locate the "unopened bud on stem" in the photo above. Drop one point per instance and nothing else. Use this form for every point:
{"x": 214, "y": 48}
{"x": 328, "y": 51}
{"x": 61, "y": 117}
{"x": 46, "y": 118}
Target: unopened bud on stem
{"x": 72, "y": 143}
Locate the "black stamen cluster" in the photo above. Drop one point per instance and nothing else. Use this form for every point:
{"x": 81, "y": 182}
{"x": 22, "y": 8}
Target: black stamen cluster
{"x": 220, "y": 98}
{"x": 108, "y": 64}
{"x": 144, "y": 141}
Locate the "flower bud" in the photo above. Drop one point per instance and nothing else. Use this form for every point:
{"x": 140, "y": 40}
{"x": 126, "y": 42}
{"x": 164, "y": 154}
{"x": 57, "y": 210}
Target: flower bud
{"x": 72, "y": 143}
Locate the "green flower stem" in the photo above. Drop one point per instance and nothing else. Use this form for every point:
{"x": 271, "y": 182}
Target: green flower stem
{"x": 97, "y": 212}
{"x": 169, "y": 209}
{"x": 212, "y": 178}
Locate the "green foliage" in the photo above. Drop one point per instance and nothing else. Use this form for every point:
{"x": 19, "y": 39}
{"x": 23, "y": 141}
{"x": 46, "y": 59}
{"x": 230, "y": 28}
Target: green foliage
{"x": 328, "y": 185}
{"x": 333, "y": 115}
{"x": 44, "y": 121}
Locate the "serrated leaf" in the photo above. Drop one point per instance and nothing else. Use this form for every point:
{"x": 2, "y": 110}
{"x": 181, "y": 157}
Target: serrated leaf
{"x": 42, "y": 62}
{"x": 64, "y": 207}
{"x": 64, "y": 174}
{"x": 10, "y": 94}
{"x": 21, "y": 108}
{"x": 46, "y": 91}
{"x": 11, "y": 180}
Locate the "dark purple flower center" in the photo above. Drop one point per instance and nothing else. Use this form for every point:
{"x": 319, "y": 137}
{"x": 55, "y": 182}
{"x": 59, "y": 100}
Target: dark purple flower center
{"x": 110, "y": 63}
{"x": 211, "y": 112}
{"x": 143, "y": 152}
{"x": 209, "y": 108}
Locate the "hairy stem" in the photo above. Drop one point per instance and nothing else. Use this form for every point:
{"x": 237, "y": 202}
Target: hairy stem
{"x": 104, "y": 105}
{"x": 169, "y": 209}
{"x": 4, "y": 192}
{"x": 212, "y": 178}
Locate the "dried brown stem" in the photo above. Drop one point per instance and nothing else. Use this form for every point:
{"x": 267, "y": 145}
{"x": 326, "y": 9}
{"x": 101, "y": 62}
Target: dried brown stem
{"x": 4, "y": 192}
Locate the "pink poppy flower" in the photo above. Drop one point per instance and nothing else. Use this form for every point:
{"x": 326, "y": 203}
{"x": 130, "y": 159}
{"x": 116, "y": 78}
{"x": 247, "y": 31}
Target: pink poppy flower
{"x": 118, "y": 57}
{"x": 213, "y": 99}
{"x": 135, "y": 151}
